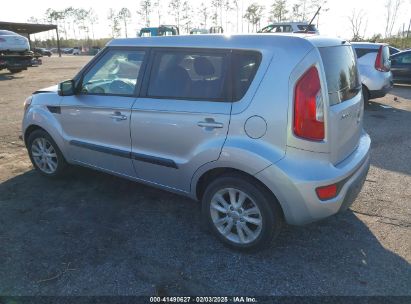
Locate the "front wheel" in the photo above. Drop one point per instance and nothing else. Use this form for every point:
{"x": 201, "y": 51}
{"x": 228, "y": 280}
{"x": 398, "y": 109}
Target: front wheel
{"x": 45, "y": 155}
{"x": 241, "y": 213}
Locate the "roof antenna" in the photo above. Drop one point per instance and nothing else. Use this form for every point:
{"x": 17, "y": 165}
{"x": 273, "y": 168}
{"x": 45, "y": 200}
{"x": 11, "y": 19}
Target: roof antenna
{"x": 315, "y": 15}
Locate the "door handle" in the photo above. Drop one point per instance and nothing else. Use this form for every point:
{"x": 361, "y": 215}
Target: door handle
{"x": 209, "y": 123}
{"x": 118, "y": 116}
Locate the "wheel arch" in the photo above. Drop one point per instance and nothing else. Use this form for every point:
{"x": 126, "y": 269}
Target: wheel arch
{"x": 213, "y": 173}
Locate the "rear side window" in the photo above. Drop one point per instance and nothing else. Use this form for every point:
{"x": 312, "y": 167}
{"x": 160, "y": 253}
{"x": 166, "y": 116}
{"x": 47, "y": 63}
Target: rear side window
{"x": 362, "y": 52}
{"x": 303, "y": 27}
{"x": 341, "y": 73}
{"x": 245, "y": 66}
{"x": 187, "y": 74}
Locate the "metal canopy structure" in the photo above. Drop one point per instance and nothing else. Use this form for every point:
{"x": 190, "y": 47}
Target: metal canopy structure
{"x": 29, "y": 29}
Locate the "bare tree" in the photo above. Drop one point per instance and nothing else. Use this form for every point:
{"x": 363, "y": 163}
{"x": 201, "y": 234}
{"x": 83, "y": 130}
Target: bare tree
{"x": 145, "y": 10}
{"x": 236, "y": 4}
{"x": 391, "y": 7}
{"x": 56, "y": 17}
{"x": 187, "y": 14}
{"x": 82, "y": 17}
{"x": 92, "y": 19}
{"x": 124, "y": 15}
{"x": 217, "y": 5}
{"x": 175, "y": 6}
{"x": 253, "y": 14}
{"x": 296, "y": 13}
{"x": 204, "y": 13}
{"x": 227, "y": 8}
{"x": 279, "y": 11}
{"x": 357, "y": 24}
{"x": 114, "y": 23}
{"x": 157, "y": 5}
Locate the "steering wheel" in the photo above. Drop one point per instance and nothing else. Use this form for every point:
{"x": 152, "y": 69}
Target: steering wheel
{"x": 120, "y": 87}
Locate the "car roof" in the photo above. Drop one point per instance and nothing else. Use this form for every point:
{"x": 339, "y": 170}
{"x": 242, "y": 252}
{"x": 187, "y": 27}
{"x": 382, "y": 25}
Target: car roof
{"x": 6, "y": 32}
{"x": 222, "y": 41}
{"x": 290, "y": 23}
{"x": 368, "y": 45}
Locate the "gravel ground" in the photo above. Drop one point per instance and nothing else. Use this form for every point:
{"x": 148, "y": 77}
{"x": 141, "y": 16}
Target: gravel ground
{"x": 95, "y": 234}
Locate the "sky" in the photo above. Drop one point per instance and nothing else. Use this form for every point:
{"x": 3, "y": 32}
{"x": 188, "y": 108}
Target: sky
{"x": 332, "y": 22}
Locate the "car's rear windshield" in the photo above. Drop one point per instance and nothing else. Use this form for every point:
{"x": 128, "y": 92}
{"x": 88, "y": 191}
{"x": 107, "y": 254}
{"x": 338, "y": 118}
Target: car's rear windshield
{"x": 341, "y": 73}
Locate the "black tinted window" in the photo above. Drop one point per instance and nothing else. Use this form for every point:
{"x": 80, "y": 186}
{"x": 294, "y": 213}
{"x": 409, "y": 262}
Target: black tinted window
{"x": 362, "y": 52}
{"x": 341, "y": 73}
{"x": 189, "y": 75}
{"x": 311, "y": 27}
{"x": 404, "y": 58}
{"x": 245, "y": 65}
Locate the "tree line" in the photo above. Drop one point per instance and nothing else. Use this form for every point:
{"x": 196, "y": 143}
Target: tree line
{"x": 79, "y": 23}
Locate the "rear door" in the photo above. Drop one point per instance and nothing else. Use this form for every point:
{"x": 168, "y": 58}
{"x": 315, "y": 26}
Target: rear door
{"x": 344, "y": 123}
{"x": 181, "y": 119}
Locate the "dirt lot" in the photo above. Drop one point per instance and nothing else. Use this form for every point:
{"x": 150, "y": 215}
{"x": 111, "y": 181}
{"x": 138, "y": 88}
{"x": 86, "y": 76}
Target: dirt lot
{"x": 95, "y": 234}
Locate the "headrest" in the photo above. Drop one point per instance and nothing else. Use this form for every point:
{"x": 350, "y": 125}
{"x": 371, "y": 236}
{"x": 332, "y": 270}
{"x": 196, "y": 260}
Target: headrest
{"x": 203, "y": 66}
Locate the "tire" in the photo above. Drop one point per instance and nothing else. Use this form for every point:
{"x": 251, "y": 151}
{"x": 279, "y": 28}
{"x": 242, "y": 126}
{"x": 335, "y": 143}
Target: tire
{"x": 225, "y": 218}
{"x": 366, "y": 95}
{"x": 43, "y": 162}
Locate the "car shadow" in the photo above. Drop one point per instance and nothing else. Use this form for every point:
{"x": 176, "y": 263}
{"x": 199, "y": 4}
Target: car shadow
{"x": 388, "y": 128}
{"x": 96, "y": 234}
{"x": 8, "y": 76}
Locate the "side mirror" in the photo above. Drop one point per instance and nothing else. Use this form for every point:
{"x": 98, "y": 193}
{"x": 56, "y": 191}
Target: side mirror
{"x": 66, "y": 88}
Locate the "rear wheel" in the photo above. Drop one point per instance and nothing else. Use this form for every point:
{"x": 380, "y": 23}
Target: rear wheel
{"x": 241, "y": 213}
{"x": 45, "y": 155}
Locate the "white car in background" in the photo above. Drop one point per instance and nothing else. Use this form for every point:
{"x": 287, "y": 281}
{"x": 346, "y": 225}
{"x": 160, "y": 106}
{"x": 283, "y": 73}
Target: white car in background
{"x": 13, "y": 42}
{"x": 375, "y": 68}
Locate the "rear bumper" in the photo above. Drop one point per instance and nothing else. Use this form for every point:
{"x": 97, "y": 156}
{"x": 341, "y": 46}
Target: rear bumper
{"x": 378, "y": 83}
{"x": 382, "y": 92}
{"x": 294, "y": 179}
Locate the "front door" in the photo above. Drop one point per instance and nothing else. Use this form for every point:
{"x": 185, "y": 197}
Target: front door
{"x": 96, "y": 121}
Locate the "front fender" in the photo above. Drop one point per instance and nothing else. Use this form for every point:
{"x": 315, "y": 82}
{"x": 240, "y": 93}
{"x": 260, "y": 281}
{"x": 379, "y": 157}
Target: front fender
{"x": 40, "y": 116}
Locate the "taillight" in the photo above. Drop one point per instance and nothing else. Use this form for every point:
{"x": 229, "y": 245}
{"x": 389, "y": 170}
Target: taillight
{"x": 309, "y": 107}
{"x": 379, "y": 61}
{"x": 326, "y": 192}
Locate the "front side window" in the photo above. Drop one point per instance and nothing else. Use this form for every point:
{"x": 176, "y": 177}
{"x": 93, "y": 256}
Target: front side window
{"x": 116, "y": 73}
{"x": 189, "y": 75}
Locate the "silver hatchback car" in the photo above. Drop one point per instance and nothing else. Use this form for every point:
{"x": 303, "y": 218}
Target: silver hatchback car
{"x": 261, "y": 129}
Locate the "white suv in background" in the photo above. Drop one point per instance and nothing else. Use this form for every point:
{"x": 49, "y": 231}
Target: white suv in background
{"x": 374, "y": 65}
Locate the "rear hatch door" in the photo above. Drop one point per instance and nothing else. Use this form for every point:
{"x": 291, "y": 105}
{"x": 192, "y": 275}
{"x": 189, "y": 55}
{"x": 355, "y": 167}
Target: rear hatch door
{"x": 344, "y": 122}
